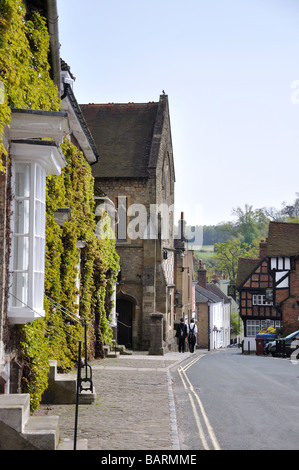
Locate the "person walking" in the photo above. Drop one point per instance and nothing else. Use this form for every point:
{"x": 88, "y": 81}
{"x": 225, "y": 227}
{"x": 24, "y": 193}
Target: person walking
{"x": 181, "y": 334}
{"x": 192, "y": 335}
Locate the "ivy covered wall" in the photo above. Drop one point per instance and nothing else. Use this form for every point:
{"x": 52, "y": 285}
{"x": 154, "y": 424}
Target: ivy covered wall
{"x": 25, "y": 72}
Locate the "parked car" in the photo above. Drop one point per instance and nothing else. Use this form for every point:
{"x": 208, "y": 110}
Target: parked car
{"x": 291, "y": 343}
{"x": 268, "y": 346}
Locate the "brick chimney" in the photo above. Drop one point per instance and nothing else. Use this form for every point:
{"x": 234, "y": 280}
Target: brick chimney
{"x": 263, "y": 248}
{"x": 202, "y": 275}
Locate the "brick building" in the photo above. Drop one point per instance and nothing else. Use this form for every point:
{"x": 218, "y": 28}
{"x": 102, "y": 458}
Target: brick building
{"x": 269, "y": 285}
{"x": 136, "y": 173}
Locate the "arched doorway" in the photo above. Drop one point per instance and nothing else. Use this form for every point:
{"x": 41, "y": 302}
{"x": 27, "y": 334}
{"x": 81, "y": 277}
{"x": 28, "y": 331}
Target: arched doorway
{"x": 124, "y": 308}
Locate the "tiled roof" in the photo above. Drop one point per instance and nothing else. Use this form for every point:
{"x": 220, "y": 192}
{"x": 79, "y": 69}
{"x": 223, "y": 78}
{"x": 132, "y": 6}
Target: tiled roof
{"x": 217, "y": 291}
{"x": 123, "y": 134}
{"x": 205, "y": 295}
{"x": 245, "y": 268}
{"x": 283, "y": 239}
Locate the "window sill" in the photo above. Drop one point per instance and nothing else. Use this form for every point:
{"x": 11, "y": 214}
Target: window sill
{"x": 20, "y": 316}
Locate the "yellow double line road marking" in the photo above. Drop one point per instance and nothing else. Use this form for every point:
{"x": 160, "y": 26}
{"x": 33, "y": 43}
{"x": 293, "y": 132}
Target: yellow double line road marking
{"x": 189, "y": 387}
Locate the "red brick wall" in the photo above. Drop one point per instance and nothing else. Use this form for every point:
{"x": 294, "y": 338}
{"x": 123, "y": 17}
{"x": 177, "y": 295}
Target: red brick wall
{"x": 290, "y": 308}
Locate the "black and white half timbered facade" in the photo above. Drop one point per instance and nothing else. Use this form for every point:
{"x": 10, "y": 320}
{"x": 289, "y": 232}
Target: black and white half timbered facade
{"x": 269, "y": 286}
{"x": 256, "y": 298}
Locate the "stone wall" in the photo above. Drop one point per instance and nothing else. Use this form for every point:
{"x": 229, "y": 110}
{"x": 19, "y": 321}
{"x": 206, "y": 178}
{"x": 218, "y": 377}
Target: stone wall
{"x": 143, "y": 276}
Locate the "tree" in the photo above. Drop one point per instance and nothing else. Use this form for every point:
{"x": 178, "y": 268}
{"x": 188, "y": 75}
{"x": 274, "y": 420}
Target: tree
{"x": 228, "y": 253}
{"x": 235, "y": 323}
{"x": 251, "y": 224}
{"x": 291, "y": 211}
{"x": 273, "y": 214}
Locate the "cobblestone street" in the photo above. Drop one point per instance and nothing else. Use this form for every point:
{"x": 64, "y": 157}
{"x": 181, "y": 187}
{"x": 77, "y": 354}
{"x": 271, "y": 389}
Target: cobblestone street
{"x": 134, "y": 409}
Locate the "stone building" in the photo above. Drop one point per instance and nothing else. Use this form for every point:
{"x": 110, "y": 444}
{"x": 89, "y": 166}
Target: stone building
{"x": 136, "y": 172}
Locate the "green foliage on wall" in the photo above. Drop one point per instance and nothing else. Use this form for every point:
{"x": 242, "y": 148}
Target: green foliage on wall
{"x": 24, "y": 70}
{"x": 99, "y": 262}
{"x": 24, "y": 66}
{"x": 35, "y": 358}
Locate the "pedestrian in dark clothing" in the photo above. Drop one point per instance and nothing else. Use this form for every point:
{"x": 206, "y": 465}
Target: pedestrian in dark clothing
{"x": 181, "y": 334}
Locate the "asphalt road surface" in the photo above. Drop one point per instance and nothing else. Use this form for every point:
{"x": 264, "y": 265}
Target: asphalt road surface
{"x": 229, "y": 401}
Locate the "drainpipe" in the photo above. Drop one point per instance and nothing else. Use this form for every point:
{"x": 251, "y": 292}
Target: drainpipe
{"x": 54, "y": 41}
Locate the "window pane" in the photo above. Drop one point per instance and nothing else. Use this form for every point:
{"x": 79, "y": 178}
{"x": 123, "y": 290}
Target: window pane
{"x": 252, "y": 327}
{"x": 38, "y": 301}
{"x": 19, "y": 289}
{"x": 266, "y": 324}
{"x": 39, "y": 254}
{"x": 20, "y": 253}
{"x": 22, "y": 179}
{"x": 39, "y": 214}
{"x": 40, "y": 183}
{"x": 21, "y": 216}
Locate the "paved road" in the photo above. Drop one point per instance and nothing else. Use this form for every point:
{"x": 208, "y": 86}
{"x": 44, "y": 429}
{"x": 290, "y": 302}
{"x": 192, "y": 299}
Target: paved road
{"x": 134, "y": 409}
{"x": 229, "y": 401}
{"x": 206, "y": 400}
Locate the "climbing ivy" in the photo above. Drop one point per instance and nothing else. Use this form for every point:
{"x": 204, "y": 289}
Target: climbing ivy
{"x": 24, "y": 66}
{"x": 25, "y": 72}
{"x": 35, "y": 358}
{"x": 74, "y": 189}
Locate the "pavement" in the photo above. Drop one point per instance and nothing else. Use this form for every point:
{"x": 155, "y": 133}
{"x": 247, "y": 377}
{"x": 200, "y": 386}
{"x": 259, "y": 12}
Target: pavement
{"x": 134, "y": 407}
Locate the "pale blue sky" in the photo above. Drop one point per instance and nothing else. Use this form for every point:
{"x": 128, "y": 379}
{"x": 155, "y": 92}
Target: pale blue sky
{"x": 227, "y": 67}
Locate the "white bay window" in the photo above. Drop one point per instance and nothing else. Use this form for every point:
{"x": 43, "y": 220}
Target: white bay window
{"x": 32, "y": 160}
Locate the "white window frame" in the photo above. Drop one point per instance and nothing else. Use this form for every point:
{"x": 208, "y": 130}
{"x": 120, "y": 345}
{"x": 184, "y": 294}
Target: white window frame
{"x": 253, "y": 327}
{"x": 260, "y": 299}
{"x": 33, "y": 233}
{"x": 267, "y": 323}
{"x": 43, "y": 158}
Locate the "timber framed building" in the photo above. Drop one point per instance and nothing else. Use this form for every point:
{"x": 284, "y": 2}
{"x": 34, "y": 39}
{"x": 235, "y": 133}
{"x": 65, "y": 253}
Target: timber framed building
{"x": 269, "y": 285}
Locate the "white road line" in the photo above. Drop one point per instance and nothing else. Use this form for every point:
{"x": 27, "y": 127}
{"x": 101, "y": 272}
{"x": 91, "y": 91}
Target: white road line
{"x": 199, "y": 426}
{"x": 186, "y": 383}
{"x": 191, "y": 363}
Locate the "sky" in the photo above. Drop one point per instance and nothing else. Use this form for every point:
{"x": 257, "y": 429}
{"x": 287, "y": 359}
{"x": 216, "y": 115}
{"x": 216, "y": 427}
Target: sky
{"x": 230, "y": 69}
